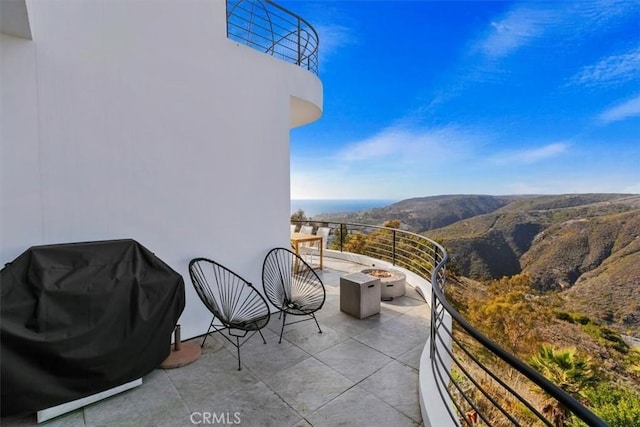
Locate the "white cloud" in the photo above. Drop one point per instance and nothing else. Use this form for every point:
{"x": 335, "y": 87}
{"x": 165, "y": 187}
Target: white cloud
{"x": 389, "y": 141}
{"x": 329, "y": 178}
{"x": 518, "y": 28}
{"x": 332, "y": 37}
{"x": 409, "y": 145}
{"x": 613, "y": 69}
{"x": 531, "y": 155}
{"x": 526, "y": 24}
{"x": 397, "y": 161}
{"x": 625, "y": 110}
{"x": 597, "y": 13}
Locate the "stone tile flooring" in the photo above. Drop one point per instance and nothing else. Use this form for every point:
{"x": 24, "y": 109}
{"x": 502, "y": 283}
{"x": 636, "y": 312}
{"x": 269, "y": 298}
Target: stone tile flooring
{"x": 356, "y": 373}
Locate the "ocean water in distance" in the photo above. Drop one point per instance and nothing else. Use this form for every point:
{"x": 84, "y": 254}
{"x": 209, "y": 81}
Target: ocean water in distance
{"x": 313, "y": 207}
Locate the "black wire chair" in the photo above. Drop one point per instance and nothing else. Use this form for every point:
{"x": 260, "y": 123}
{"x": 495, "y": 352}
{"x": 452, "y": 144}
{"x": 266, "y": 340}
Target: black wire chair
{"x": 234, "y": 302}
{"x": 292, "y": 286}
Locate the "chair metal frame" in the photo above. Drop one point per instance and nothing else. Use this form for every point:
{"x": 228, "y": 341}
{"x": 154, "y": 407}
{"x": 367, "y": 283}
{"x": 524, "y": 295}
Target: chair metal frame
{"x": 232, "y": 300}
{"x": 292, "y": 286}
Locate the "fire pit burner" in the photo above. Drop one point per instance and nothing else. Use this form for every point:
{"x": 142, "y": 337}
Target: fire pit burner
{"x": 379, "y": 273}
{"x": 392, "y": 282}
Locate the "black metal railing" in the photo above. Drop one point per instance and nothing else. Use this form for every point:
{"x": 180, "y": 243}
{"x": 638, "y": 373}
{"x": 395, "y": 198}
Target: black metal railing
{"x": 479, "y": 382}
{"x": 272, "y": 29}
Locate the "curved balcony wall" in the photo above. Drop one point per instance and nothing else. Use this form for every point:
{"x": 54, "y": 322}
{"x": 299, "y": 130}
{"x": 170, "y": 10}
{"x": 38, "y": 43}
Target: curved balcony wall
{"x": 14, "y": 19}
{"x": 459, "y": 382}
{"x": 266, "y": 27}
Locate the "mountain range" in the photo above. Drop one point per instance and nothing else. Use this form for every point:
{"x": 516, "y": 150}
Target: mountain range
{"x": 584, "y": 246}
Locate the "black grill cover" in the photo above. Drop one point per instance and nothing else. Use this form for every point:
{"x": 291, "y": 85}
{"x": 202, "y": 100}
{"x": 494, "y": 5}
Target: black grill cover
{"x": 81, "y": 318}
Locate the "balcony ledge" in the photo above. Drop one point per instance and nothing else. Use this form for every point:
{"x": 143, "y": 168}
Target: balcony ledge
{"x": 14, "y": 19}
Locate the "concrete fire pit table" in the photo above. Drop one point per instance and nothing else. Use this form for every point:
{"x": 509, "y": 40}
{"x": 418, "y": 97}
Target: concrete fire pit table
{"x": 392, "y": 282}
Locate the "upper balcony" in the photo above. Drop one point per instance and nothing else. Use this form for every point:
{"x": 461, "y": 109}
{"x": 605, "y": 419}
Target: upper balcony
{"x": 274, "y": 30}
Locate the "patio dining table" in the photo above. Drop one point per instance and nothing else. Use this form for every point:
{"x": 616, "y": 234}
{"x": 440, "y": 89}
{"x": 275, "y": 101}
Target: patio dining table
{"x": 298, "y": 238}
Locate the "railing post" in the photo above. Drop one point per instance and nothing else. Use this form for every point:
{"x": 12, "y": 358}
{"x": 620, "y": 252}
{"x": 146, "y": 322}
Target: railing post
{"x": 393, "y": 248}
{"x": 432, "y": 332}
{"x": 226, "y": 12}
{"x": 434, "y": 304}
{"x": 299, "y": 53}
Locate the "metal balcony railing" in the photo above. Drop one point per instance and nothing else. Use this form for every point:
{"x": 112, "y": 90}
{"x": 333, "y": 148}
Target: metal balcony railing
{"x": 463, "y": 360}
{"x": 272, "y": 29}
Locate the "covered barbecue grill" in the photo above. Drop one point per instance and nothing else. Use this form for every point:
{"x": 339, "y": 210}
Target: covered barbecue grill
{"x": 81, "y": 318}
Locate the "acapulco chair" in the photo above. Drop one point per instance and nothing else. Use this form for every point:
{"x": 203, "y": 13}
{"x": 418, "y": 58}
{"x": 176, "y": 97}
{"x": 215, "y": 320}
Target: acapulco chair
{"x": 237, "y": 307}
{"x": 292, "y": 286}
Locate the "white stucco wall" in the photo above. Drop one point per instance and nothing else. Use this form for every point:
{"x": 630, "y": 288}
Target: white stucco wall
{"x": 140, "y": 119}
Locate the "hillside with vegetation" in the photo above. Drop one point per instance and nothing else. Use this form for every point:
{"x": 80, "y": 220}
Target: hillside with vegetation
{"x": 586, "y": 246}
{"x": 589, "y": 360}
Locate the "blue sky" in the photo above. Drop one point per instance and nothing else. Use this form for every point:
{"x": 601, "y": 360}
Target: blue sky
{"x": 448, "y": 97}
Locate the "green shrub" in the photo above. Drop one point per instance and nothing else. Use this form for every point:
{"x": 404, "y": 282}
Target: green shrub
{"x": 592, "y": 329}
{"x": 573, "y": 317}
{"x": 583, "y": 320}
{"x": 619, "y": 407}
{"x": 562, "y": 315}
{"x": 607, "y": 337}
{"x": 615, "y": 339}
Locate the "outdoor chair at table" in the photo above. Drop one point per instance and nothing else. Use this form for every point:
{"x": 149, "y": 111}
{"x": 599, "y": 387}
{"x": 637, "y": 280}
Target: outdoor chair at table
{"x": 236, "y": 305}
{"x": 292, "y": 286}
{"x": 306, "y": 229}
{"x": 307, "y": 245}
{"x": 324, "y": 233}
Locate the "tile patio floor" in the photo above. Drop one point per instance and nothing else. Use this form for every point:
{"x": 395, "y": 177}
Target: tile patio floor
{"x": 356, "y": 373}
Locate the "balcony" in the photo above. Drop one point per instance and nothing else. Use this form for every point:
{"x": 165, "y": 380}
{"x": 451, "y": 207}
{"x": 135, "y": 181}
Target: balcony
{"x": 362, "y": 372}
{"x": 266, "y": 27}
{"x": 393, "y": 368}
{"x": 272, "y": 29}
